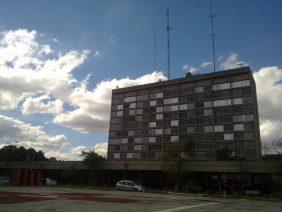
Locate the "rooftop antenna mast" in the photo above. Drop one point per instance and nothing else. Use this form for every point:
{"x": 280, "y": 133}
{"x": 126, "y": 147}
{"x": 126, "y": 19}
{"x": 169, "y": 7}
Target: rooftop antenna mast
{"x": 168, "y": 28}
{"x": 155, "y": 62}
{"x": 212, "y": 15}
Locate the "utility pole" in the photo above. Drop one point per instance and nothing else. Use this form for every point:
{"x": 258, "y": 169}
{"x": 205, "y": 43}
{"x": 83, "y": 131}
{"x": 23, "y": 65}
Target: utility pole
{"x": 212, "y": 15}
{"x": 168, "y": 28}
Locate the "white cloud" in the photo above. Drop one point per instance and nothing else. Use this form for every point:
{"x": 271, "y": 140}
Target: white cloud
{"x": 190, "y": 69}
{"x": 206, "y": 64}
{"x": 93, "y": 110}
{"x": 97, "y": 54}
{"x": 27, "y": 68}
{"x": 14, "y": 131}
{"x": 269, "y": 94}
{"x": 232, "y": 61}
{"x": 101, "y": 149}
{"x": 73, "y": 154}
{"x": 37, "y": 105}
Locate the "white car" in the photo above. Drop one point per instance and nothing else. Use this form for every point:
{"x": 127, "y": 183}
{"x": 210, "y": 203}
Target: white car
{"x": 50, "y": 182}
{"x": 128, "y": 185}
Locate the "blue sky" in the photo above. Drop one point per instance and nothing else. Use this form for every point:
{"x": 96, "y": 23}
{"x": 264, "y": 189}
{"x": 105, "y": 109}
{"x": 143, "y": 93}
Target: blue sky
{"x": 121, "y": 34}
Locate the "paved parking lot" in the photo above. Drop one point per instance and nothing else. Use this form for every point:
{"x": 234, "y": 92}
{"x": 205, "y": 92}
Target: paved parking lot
{"x": 72, "y": 199}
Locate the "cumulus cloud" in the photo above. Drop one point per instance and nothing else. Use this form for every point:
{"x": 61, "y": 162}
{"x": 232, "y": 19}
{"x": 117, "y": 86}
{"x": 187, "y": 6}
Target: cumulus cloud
{"x": 269, "y": 94}
{"x": 14, "y": 131}
{"x": 28, "y": 67}
{"x": 101, "y": 149}
{"x": 190, "y": 69}
{"x": 232, "y": 61}
{"x": 73, "y": 154}
{"x": 206, "y": 64}
{"x": 41, "y": 104}
{"x": 93, "y": 110}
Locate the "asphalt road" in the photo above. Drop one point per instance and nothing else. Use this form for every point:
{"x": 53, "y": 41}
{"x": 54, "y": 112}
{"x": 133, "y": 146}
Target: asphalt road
{"x": 37, "y": 199}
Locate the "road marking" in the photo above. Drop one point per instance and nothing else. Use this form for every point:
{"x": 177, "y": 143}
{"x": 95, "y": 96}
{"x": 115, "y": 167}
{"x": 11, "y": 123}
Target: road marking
{"x": 187, "y": 207}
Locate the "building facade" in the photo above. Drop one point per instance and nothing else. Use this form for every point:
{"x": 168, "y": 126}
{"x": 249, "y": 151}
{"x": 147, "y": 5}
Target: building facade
{"x": 192, "y": 118}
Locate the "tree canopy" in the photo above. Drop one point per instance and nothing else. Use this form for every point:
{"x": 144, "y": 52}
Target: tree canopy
{"x": 92, "y": 159}
{"x": 14, "y": 153}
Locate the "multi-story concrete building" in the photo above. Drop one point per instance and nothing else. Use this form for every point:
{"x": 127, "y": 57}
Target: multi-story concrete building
{"x": 189, "y": 118}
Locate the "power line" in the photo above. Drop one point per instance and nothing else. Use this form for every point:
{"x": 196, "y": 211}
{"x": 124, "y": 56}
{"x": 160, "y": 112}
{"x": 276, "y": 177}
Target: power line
{"x": 212, "y": 15}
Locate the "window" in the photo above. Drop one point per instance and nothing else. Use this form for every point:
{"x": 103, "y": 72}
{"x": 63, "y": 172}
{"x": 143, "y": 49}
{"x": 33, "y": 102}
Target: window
{"x": 152, "y": 139}
{"x": 173, "y": 138}
{"x": 131, "y": 112}
{"x": 120, "y": 107}
{"x": 159, "y": 109}
{"x": 209, "y": 128}
{"x": 247, "y": 100}
{"x": 167, "y": 131}
{"x": 221, "y": 86}
{"x": 228, "y": 137}
{"x": 207, "y": 104}
{"x": 139, "y": 111}
{"x": 137, "y": 140}
{"x": 115, "y": 141}
{"x": 223, "y": 102}
{"x": 248, "y": 136}
{"x": 159, "y": 116}
{"x": 159, "y": 95}
{"x": 191, "y": 106}
{"x": 243, "y": 118}
{"x": 174, "y": 108}
{"x": 183, "y": 107}
{"x": 142, "y": 98}
{"x": 174, "y": 123}
{"x": 138, "y": 118}
{"x": 137, "y": 147}
{"x": 130, "y": 99}
{"x": 159, "y": 131}
{"x": 199, "y": 89}
{"x": 240, "y": 84}
{"x": 119, "y": 113}
{"x": 124, "y": 140}
{"x": 167, "y": 108}
{"x": 132, "y": 105}
{"x": 171, "y": 101}
{"x": 152, "y": 124}
{"x": 237, "y": 101}
{"x": 130, "y": 133}
{"x": 129, "y": 155}
{"x": 238, "y": 127}
{"x": 116, "y": 155}
{"x": 190, "y": 129}
{"x": 137, "y": 155}
{"x": 153, "y": 103}
{"x": 208, "y": 112}
{"x": 218, "y": 128}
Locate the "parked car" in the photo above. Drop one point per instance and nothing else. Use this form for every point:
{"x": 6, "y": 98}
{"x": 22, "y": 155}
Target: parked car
{"x": 49, "y": 182}
{"x": 128, "y": 185}
{"x": 4, "y": 181}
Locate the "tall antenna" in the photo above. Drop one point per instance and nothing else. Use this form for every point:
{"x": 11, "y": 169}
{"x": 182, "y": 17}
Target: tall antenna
{"x": 155, "y": 68}
{"x": 168, "y": 28}
{"x": 212, "y": 15}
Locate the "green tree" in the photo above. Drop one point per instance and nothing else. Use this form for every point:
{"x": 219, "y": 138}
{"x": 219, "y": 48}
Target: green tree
{"x": 14, "y": 153}
{"x": 173, "y": 159}
{"x": 92, "y": 159}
